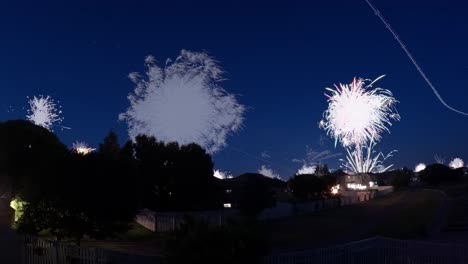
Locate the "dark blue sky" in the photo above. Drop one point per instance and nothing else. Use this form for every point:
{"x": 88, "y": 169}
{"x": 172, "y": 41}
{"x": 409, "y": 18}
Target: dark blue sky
{"x": 279, "y": 57}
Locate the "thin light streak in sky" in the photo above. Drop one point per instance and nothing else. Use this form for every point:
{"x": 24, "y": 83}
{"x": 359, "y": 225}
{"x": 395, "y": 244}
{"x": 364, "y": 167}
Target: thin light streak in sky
{"x": 413, "y": 60}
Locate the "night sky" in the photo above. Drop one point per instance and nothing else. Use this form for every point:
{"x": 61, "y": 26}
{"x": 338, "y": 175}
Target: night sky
{"x": 278, "y": 57}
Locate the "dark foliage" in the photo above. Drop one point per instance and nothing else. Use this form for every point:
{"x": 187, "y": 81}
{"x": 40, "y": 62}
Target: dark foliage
{"x": 28, "y": 155}
{"x": 255, "y": 193}
{"x": 234, "y": 243}
{"x": 306, "y": 187}
{"x": 93, "y": 195}
{"x": 436, "y": 174}
{"x": 173, "y": 177}
{"x": 401, "y": 178}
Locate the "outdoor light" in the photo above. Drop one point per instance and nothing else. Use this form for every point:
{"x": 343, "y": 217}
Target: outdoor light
{"x": 356, "y": 186}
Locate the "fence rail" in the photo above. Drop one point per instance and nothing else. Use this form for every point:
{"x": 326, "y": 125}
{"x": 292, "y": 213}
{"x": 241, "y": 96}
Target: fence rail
{"x": 40, "y": 251}
{"x": 378, "y": 250}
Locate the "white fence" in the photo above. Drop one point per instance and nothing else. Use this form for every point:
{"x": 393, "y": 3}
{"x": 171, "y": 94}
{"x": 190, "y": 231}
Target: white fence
{"x": 164, "y": 222}
{"x": 169, "y": 221}
{"x": 39, "y": 251}
{"x": 378, "y": 250}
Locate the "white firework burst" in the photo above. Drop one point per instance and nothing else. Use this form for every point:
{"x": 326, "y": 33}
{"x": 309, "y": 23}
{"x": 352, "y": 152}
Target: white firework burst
{"x": 44, "y": 112}
{"x": 183, "y": 102}
{"x": 357, "y": 115}
{"x": 266, "y": 171}
{"x": 456, "y": 163}
{"x": 222, "y": 174}
{"x": 82, "y": 148}
{"x": 306, "y": 169}
{"x": 420, "y": 167}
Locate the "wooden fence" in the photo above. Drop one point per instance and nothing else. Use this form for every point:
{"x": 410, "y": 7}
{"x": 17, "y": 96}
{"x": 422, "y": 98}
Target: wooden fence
{"x": 40, "y": 251}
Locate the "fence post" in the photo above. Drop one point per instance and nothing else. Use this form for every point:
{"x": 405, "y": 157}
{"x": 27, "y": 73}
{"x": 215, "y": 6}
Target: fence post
{"x": 56, "y": 249}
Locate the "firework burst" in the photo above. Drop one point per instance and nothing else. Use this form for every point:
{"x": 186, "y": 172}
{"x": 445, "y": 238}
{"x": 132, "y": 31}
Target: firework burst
{"x": 456, "y": 163}
{"x": 183, "y": 102}
{"x": 82, "y": 148}
{"x": 420, "y": 167}
{"x": 266, "y": 171}
{"x": 222, "y": 174}
{"x": 44, "y": 112}
{"x": 356, "y": 117}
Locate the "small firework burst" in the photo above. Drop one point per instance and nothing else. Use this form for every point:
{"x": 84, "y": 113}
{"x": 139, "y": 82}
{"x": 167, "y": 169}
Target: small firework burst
{"x": 456, "y": 163}
{"x": 44, "y": 112}
{"x": 82, "y": 148}
{"x": 222, "y": 174}
{"x": 420, "y": 167}
{"x": 306, "y": 169}
{"x": 266, "y": 171}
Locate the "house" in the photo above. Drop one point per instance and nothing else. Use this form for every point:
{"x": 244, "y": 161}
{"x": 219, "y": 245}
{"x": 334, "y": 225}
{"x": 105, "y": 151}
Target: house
{"x": 235, "y": 187}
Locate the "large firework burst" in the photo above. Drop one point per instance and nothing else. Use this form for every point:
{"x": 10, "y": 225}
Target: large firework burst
{"x": 183, "y": 102}
{"x": 357, "y": 115}
{"x": 44, "y": 112}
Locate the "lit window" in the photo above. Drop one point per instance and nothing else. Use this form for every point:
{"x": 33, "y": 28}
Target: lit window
{"x": 227, "y": 205}
{"x": 228, "y": 191}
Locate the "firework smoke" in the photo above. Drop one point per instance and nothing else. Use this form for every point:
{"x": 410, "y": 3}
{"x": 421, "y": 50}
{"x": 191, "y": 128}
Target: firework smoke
{"x": 357, "y": 115}
{"x": 420, "y": 167}
{"x": 456, "y": 163}
{"x": 183, "y": 102}
{"x": 82, "y": 148}
{"x": 266, "y": 171}
{"x": 44, "y": 112}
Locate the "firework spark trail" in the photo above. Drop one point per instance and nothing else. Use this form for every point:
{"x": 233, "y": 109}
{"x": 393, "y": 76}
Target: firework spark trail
{"x": 183, "y": 102}
{"x": 44, "y": 112}
{"x": 313, "y": 159}
{"x": 260, "y": 159}
{"x": 413, "y": 60}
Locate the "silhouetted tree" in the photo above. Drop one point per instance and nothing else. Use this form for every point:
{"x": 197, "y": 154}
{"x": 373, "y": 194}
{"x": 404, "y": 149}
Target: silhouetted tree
{"x": 255, "y": 194}
{"x": 95, "y": 196}
{"x": 435, "y": 174}
{"x": 401, "y": 178}
{"x": 29, "y": 155}
{"x": 306, "y": 187}
{"x": 174, "y": 177}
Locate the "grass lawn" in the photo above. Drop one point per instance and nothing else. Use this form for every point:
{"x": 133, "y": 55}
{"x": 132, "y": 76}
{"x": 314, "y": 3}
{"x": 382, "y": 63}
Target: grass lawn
{"x": 403, "y": 214}
{"x": 138, "y": 240}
